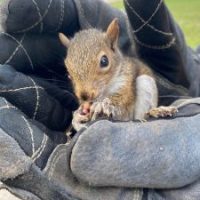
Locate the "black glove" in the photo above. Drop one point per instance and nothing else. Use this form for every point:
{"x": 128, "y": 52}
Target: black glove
{"x": 47, "y": 16}
{"x": 161, "y": 44}
{"x": 38, "y": 99}
{"x": 154, "y": 156}
{"x": 48, "y": 168}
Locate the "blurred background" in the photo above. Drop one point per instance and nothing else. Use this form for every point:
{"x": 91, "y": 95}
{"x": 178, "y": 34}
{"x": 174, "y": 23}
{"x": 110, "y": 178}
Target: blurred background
{"x": 186, "y": 13}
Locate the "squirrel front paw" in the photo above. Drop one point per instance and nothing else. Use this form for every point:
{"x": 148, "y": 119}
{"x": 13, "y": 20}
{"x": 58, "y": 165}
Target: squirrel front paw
{"x": 97, "y": 110}
{"x": 103, "y": 109}
{"x": 79, "y": 120}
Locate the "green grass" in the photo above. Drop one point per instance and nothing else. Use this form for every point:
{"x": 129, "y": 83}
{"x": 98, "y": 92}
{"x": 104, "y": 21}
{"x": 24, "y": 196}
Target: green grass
{"x": 186, "y": 13}
{"x": 118, "y": 4}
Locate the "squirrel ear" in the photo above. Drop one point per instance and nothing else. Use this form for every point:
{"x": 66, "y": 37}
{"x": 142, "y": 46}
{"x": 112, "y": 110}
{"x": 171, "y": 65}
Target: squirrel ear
{"x": 64, "y": 40}
{"x": 113, "y": 32}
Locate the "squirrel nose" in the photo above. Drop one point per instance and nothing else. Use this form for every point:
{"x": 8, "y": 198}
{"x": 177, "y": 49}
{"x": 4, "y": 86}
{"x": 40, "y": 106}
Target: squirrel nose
{"x": 85, "y": 111}
{"x": 85, "y": 108}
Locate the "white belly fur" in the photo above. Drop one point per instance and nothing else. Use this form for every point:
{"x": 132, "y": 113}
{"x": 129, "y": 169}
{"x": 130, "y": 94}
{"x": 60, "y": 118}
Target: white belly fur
{"x": 146, "y": 96}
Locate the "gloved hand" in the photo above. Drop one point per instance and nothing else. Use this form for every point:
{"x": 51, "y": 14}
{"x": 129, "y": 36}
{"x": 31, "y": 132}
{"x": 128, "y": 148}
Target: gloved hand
{"x": 164, "y": 49}
{"x": 135, "y": 154}
{"x": 37, "y": 98}
{"x": 21, "y": 16}
{"x": 160, "y": 43}
{"x": 106, "y": 154}
{"x": 48, "y": 168}
{"x": 35, "y": 161}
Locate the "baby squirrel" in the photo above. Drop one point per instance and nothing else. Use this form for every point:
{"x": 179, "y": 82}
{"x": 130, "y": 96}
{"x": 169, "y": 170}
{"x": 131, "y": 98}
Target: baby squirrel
{"x": 106, "y": 82}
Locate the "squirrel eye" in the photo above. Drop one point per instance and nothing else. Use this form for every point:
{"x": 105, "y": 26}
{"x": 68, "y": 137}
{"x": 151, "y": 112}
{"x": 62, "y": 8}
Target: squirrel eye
{"x": 104, "y": 62}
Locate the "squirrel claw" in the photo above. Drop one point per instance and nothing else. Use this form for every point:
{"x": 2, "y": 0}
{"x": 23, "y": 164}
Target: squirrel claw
{"x": 162, "y": 111}
{"x": 79, "y": 121}
{"x": 104, "y": 108}
{"x": 96, "y": 110}
{"x": 142, "y": 120}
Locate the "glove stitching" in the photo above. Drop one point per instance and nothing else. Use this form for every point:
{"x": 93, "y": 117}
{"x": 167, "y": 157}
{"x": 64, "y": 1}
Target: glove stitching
{"x": 6, "y": 107}
{"x": 146, "y": 23}
{"x": 37, "y": 98}
{"x": 6, "y": 102}
{"x": 62, "y": 14}
{"x": 31, "y": 133}
{"x": 15, "y": 51}
{"x": 37, "y": 22}
{"x": 157, "y": 47}
{"x": 41, "y": 149}
{"x": 39, "y": 14}
{"x": 55, "y": 160}
{"x": 18, "y": 42}
{"x": 35, "y": 153}
{"x": 36, "y": 88}
{"x": 23, "y": 88}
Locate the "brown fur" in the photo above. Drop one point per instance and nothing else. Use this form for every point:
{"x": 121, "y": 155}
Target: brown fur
{"x": 94, "y": 84}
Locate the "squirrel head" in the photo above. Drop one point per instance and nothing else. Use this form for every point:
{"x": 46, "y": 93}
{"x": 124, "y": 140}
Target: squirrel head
{"x": 93, "y": 59}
